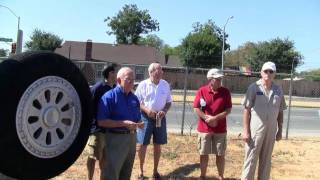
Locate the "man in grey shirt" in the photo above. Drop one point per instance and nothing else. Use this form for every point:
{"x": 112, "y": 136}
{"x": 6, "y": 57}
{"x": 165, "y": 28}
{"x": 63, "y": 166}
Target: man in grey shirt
{"x": 262, "y": 123}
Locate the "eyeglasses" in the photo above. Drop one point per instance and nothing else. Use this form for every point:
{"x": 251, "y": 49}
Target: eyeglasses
{"x": 128, "y": 80}
{"x": 268, "y": 71}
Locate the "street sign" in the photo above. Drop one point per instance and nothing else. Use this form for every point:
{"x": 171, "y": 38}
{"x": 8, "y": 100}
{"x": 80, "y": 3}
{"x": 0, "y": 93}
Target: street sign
{"x": 5, "y": 39}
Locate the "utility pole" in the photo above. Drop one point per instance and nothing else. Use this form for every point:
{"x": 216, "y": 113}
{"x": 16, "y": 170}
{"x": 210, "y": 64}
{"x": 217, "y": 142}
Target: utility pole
{"x": 19, "y": 32}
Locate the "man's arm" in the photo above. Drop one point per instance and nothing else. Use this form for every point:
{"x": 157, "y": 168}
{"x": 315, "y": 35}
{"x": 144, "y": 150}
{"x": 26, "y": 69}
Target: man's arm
{"x": 149, "y": 112}
{"x": 109, "y": 123}
{"x": 280, "y": 122}
{"x": 223, "y": 114}
{"x": 164, "y": 111}
{"x": 246, "y": 125}
{"x": 200, "y": 113}
{"x": 213, "y": 120}
{"x": 166, "y": 107}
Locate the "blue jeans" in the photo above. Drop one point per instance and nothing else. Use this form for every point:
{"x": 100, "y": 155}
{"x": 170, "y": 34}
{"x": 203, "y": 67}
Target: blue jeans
{"x": 159, "y": 133}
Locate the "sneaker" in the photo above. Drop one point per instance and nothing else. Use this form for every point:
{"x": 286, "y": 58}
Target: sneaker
{"x": 156, "y": 176}
{"x": 140, "y": 177}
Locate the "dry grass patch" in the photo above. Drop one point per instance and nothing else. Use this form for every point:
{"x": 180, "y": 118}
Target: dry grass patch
{"x": 297, "y": 158}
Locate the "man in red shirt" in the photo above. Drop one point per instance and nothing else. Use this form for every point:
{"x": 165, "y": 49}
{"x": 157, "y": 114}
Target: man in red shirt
{"x": 212, "y": 104}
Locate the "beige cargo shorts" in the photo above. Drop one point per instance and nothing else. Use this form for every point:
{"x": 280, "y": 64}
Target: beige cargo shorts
{"x": 212, "y": 143}
{"x": 96, "y": 145}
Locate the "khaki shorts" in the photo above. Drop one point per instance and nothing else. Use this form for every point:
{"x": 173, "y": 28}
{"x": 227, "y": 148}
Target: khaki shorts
{"x": 96, "y": 145}
{"x": 212, "y": 143}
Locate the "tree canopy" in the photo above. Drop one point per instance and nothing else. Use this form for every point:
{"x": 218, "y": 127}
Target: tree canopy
{"x": 167, "y": 49}
{"x": 239, "y": 56}
{"x": 3, "y": 52}
{"x": 152, "y": 40}
{"x": 41, "y": 40}
{"x": 312, "y": 74}
{"x": 130, "y": 23}
{"x": 281, "y": 52}
{"x": 202, "y": 46}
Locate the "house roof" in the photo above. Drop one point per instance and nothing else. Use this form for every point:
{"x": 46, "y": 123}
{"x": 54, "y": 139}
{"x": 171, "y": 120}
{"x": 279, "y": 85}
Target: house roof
{"x": 120, "y": 54}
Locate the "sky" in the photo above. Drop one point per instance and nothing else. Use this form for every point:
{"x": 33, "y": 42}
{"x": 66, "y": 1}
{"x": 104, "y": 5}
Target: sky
{"x": 255, "y": 21}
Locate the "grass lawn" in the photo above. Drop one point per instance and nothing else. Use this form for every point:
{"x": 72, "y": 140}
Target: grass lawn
{"x": 295, "y": 159}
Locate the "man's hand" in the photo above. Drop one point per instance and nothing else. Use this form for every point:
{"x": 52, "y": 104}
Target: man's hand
{"x": 151, "y": 114}
{"x": 161, "y": 114}
{"x": 140, "y": 124}
{"x": 246, "y": 136}
{"x": 130, "y": 125}
{"x": 212, "y": 121}
{"x": 279, "y": 135}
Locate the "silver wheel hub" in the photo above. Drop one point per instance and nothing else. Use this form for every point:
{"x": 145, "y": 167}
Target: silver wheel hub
{"x": 51, "y": 117}
{"x": 48, "y": 117}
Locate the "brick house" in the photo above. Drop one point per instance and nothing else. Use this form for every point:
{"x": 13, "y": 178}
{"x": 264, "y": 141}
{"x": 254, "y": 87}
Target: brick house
{"x": 100, "y": 54}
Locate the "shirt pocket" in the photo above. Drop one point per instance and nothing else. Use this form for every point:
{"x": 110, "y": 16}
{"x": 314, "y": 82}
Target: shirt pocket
{"x": 260, "y": 101}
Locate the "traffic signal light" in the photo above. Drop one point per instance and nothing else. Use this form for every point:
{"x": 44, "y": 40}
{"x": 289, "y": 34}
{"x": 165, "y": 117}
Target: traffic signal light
{"x": 13, "y": 48}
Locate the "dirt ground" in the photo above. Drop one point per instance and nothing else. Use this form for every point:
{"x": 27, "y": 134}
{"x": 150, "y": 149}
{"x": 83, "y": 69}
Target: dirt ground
{"x": 295, "y": 159}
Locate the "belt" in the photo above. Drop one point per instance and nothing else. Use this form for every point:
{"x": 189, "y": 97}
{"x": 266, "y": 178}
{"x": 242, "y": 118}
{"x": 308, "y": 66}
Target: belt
{"x": 121, "y": 131}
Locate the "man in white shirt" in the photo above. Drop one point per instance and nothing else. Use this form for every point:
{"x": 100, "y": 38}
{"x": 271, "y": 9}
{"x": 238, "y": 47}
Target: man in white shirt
{"x": 155, "y": 100}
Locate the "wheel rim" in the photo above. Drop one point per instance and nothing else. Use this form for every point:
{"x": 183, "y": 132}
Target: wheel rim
{"x": 48, "y": 117}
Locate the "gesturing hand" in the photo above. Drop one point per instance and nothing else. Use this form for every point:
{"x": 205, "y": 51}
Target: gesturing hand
{"x": 130, "y": 124}
{"x": 140, "y": 124}
{"x": 151, "y": 114}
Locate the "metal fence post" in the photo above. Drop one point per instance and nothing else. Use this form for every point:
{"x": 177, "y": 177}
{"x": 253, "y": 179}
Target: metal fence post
{"x": 184, "y": 98}
{"x": 290, "y": 96}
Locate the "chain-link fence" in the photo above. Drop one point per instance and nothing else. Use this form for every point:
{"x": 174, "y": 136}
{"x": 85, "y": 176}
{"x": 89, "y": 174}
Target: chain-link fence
{"x": 184, "y": 84}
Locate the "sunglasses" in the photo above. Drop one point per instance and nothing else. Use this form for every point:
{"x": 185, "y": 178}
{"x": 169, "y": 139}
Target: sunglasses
{"x": 268, "y": 71}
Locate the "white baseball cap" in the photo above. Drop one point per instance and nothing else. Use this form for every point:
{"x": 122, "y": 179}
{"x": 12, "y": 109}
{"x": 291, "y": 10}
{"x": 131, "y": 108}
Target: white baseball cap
{"x": 214, "y": 73}
{"x": 269, "y": 65}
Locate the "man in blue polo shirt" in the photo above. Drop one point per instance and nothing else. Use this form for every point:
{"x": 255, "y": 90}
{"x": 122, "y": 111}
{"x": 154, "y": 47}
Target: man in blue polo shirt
{"x": 119, "y": 113}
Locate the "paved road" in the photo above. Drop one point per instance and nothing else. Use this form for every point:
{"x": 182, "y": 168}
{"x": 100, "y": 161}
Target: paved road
{"x": 303, "y": 121}
{"x": 294, "y": 98}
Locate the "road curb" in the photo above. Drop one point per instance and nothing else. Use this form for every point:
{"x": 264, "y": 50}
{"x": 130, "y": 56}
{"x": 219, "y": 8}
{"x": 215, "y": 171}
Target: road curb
{"x": 237, "y": 100}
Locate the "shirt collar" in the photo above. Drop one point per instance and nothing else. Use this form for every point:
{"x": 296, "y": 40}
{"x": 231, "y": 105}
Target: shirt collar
{"x": 104, "y": 83}
{"x": 118, "y": 88}
{"x": 150, "y": 82}
{"x": 210, "y": 90}
{"x": 259, "y": 83}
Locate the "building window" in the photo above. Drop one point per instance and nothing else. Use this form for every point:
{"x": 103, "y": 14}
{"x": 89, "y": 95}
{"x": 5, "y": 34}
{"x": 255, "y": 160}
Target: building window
{"x": 139, "y": 73}
{"x": 99, "y": 70}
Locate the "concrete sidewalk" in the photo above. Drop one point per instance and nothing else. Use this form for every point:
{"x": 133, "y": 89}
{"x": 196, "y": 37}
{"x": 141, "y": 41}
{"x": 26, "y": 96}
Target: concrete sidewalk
{"x": 236, "y": 99}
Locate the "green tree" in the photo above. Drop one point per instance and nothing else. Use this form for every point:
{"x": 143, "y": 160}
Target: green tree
{"x": 130, "y": 23}
{"x": 313, "y": 75}
{"x": 281, "y": 52}
{"x": 152, "y": 40}
{"x": 3, "y": 52}
{"x": 41, "y": 40}
{"x": 167, "y": 49}
{"x": 202, "y": 46}
{"x": 239, "y": 56}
